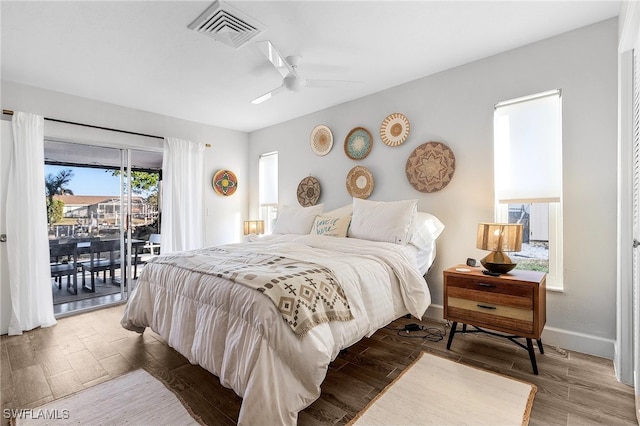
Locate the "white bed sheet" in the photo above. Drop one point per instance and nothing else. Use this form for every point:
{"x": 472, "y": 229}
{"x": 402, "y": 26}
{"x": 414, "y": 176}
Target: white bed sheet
{"x": 238, "y": 334}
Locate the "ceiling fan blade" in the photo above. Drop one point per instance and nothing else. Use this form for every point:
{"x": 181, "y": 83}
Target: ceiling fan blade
{"x": 268, "y": 95}
{"x": 330, "y": 84}
{"x": 269, "y": 50}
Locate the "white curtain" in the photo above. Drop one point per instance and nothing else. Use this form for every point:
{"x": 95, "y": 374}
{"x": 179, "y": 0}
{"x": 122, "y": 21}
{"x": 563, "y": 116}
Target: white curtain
{"x": 26, "y": 216}
{"x": 182, "y": 226}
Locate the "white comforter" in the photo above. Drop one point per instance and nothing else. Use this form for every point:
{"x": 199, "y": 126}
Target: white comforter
{"x": 238, "y": 334}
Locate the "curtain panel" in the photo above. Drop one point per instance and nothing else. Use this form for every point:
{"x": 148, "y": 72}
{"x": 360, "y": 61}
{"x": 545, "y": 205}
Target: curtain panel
{"x": 27, "y": 235}
{"x": 182, "y": 226}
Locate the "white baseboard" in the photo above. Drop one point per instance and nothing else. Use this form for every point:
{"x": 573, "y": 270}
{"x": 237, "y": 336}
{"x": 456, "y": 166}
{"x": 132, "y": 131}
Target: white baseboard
{"x": 579, "y": 342}
{"x": 565, "y": 339}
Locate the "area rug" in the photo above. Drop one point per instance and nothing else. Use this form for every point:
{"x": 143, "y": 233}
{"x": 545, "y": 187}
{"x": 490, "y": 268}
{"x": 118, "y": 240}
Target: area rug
{"x": 137, "y": 398}
{"x": 437, "y": 391}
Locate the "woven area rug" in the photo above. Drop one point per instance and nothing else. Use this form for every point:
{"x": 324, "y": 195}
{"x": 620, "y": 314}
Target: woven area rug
{"x": 137, "y": 398}
{"x": 437, "y": 391}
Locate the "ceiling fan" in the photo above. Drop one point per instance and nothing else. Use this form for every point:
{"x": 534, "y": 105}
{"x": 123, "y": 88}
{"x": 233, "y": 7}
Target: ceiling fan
{"x": 291, "y": 79}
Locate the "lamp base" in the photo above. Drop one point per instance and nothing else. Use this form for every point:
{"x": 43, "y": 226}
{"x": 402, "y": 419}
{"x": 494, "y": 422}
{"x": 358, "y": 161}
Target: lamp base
{"x": 498, "y": 262}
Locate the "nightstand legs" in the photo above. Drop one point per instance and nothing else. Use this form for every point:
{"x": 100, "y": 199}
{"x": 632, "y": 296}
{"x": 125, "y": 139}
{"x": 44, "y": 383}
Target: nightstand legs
{"x": 529, "y": 347}
{"x": 532, "y": 355}
{"x": 451, "y": 333}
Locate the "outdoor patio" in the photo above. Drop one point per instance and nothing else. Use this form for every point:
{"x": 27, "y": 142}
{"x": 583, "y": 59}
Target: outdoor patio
{"x": 105, "y": 290}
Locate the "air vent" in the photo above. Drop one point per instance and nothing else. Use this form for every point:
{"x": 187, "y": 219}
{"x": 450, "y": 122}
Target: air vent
{"x": 227, "y": 25}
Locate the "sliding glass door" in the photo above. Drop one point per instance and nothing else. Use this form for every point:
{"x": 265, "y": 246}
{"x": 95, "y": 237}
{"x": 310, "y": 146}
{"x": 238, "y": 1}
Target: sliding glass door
{"x": 103, "y": 200}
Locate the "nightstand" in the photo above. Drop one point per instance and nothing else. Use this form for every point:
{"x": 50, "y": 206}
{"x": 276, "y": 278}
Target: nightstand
{"x": 513, "y": 304}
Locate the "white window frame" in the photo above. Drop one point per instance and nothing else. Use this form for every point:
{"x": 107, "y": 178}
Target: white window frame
{"x": 268, "y": 211}
{"x": 555, "y": 277}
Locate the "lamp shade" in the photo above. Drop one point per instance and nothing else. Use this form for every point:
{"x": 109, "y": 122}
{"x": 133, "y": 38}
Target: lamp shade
{"x": 253, "y": 227}
{"x": 499, "y": 236}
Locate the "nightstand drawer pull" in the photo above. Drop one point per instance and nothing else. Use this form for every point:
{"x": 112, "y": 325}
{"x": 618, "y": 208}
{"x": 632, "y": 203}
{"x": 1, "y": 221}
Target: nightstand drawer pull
{"x": 486, "y": 285}
{"x": 485, "y": 306}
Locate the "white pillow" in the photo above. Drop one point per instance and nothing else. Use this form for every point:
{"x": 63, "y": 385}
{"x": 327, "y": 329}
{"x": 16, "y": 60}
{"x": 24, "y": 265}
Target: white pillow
{"x": 296, "y": 219}
{"x": 386, "y": 221}
{"x": 425, "y": 228}
{"x": 330, "y": 226}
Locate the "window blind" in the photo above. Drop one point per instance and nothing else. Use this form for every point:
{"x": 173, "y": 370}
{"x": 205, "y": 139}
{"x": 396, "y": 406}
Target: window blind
{"x": 268, "y": 179}
{"x": 528, "y": 149}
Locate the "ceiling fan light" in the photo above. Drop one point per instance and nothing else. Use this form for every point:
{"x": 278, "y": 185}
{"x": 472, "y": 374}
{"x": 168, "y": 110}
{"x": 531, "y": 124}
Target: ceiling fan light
{"x": 293, "y": 83}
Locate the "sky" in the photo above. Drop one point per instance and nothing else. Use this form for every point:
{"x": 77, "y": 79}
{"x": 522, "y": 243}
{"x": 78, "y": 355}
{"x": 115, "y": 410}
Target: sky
{"x": 88, "y": 181}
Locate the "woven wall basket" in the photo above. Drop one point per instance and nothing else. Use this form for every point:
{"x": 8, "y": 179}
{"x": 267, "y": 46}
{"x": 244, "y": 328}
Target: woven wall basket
{"x": 430, "y": 167}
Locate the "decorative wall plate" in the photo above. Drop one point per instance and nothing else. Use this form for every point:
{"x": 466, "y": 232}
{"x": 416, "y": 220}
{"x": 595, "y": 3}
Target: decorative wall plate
{"x": 357, "y": 144}
{"x": 430, "y": 167}
{"x": 224, "y": 182}
{"x": 394, "y": 129}
{"x": 321, "y": 140}
{"x": 308, "y": 191}
{"x": 359, "y": 182}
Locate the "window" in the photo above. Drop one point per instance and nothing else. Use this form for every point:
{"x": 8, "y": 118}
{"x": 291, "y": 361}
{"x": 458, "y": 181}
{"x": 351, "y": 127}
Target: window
{"x": 528, "y": 178}
{"x": 268, "y": 189}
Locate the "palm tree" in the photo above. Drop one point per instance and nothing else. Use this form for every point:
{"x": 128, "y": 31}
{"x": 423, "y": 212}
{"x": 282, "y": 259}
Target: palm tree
{"x": 56, "y": 185}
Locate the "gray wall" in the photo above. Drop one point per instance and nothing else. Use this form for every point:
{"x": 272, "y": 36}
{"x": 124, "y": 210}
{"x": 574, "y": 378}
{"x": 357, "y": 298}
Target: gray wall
{"x": 456, "y": 107}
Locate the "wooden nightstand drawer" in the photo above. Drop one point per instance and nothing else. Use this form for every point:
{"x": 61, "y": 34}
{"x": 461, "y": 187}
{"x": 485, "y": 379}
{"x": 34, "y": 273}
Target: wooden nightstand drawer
{"x": 507, "y": 294}
{"x": 499, "y": 317}
{"x": 490, "y": 302}
{"x": 511, "y": 303}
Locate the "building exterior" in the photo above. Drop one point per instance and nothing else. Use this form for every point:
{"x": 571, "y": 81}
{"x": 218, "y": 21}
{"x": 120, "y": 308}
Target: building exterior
{"x": 103, "y": 211}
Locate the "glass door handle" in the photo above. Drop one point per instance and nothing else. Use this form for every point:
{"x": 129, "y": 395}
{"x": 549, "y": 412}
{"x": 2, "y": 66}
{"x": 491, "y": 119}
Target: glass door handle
{"x": 3, "y": 238}
{"x": 636, "y": 243}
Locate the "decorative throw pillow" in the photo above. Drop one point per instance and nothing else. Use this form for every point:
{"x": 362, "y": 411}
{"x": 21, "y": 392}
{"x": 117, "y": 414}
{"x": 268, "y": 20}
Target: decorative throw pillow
{"x": 386, "y": 221}
{"x": 295, "y": 219}
{"x": 331, "y": 226}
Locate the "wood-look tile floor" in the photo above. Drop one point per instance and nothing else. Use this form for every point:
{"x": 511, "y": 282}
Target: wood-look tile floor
{"x": 87, "y": 349}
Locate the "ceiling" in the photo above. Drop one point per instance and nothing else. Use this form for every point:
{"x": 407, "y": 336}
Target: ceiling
{"x": 142, "y": 55}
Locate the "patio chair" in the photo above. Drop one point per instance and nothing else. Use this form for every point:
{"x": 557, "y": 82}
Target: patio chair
{"x": 63, "y": 258}
{"x": 102, "y": 259}
{"x": 154, "y": 241}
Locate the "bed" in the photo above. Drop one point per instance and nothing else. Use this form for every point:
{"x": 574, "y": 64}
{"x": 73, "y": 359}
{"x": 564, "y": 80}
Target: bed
{"x": 275, "y": 356}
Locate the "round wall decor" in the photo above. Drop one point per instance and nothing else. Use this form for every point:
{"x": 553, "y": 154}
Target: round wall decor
{"x": 308, "y": 191}
{"x": 224, "y": 182}
{"x": 394, "y": 129}
{"x": 357, "y": 144}
{"x": 321, "y": 140}
{"x": 430, "y": 167}
{"x": 359, "y": 182}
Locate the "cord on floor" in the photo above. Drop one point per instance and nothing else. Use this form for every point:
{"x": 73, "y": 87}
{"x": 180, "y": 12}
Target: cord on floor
{"x": 420, "y": 331}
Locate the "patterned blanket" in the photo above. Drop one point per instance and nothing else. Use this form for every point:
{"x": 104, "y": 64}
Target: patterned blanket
{"x": 306, "y": 294}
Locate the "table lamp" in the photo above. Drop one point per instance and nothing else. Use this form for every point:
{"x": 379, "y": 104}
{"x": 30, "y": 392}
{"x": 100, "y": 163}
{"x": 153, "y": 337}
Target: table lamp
{"x": 499, "y": 238}
{"x": 253, "y": 227}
